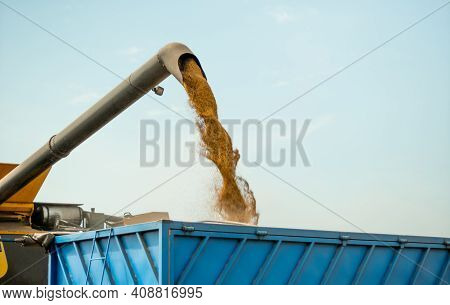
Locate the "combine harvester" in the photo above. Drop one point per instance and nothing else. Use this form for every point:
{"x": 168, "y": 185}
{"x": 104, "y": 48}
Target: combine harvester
{"x": 62, "y": 244}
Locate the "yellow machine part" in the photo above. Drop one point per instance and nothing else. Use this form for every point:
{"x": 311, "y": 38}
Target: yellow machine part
{"x": 3, "y": 261}
{"x": 16, "y": 210}
{"x": 20, "y": 205}
{"x": 27, "y": 193}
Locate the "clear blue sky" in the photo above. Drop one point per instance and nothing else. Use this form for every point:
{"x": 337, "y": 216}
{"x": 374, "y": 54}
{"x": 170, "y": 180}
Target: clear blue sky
{"x": 379, "y": 143}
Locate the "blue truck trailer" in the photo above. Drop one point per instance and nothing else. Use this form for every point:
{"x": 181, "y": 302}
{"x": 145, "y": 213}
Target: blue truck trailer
{"x": 173, "y": 252}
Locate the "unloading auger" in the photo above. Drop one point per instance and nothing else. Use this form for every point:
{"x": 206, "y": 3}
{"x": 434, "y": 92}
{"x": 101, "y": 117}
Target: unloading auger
{"x": 139, "y": 83}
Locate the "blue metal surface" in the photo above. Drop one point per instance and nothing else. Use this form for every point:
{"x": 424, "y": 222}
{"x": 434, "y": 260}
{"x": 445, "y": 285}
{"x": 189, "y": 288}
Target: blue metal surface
{"x": 92, "y": 258}
{"x": 170, "y": 252}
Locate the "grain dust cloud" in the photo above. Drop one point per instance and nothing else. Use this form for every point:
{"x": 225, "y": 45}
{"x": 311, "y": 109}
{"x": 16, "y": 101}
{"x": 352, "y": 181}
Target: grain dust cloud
{"x": 234, "y": 198}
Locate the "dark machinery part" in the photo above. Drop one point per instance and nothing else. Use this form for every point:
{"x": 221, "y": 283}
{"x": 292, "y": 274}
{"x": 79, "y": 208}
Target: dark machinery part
{"x": 98, "y": 221}
{"x": 158, "y": 90}
{"x": 52, "y": 216}
{"x": 69, "y": 218}
{"x": 139, "y": 83}
{"x": 24, "y": 265}
{"x": 43, "y": 240}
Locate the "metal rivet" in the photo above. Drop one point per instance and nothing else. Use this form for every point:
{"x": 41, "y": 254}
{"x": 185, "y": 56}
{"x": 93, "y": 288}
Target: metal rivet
{"x": 261, "y": 233}
{"x": 188, "y": 228}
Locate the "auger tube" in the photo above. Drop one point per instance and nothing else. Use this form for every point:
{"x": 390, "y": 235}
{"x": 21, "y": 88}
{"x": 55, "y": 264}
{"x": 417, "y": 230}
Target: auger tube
{"x": 139, "y": 83}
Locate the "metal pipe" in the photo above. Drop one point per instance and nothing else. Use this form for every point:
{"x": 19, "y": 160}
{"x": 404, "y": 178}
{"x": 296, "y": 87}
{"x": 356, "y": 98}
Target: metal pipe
{"x": 144, "y": 79}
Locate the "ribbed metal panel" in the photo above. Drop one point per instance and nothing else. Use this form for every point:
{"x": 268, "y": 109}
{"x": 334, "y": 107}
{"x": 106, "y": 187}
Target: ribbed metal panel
{"x": 169, "y": 252}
